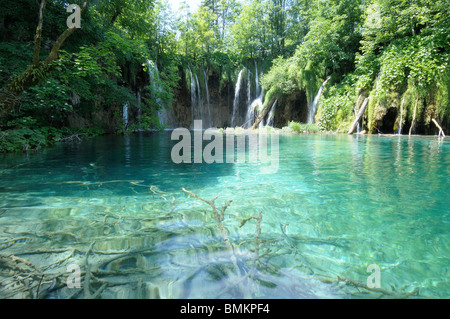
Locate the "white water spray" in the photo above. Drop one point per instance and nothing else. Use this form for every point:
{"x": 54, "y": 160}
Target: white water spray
{"x": 209, "y": 123}
{"x": 139, "y": 108}
{"x": 236, "y": 98}
{"x": 313, "y": 109}
{"x": 256, "y": 106}
{"x": 249, "y": 98}
{"x": 401, "y": 116}
{"x": 271, "y": 118}
{"x": 125, "y": 115}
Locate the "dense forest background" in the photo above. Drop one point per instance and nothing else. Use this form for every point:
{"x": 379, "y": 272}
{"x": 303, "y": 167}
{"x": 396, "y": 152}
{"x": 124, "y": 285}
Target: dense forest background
{"x": 59, "y": 84}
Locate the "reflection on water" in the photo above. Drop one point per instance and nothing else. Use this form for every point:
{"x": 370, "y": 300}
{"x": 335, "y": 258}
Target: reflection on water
{"x": 115, "y": 205}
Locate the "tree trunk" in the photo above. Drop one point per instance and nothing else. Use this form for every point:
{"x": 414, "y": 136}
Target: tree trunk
{"x": 38, "y": 70}
{"x": 358, "y": 116}
{"x": 264, "y": 112}
{"x": 441, "y": 131}
{"x": 38, "y": 37}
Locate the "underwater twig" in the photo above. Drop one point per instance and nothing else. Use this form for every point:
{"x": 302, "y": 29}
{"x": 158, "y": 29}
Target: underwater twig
{"x": 258, "y": 230}
{"x": 357, "y": 284}
{"x": 219, "y": 216}
{"x": 19, "y": 274}
{"x": 13, "y": 262}
{"x": 87, "y": 279}
{"x": 309, "y": 240}
{"x": 39, "y": 286}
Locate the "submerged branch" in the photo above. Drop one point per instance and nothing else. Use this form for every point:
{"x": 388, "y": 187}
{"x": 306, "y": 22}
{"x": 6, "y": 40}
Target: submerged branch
{"x": 383, "y": 292}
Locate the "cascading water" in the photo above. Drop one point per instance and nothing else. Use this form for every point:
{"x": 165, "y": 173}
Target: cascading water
{"x": 207, "y": 100}
{"x": 198, "y": 108}
{"x": 154, "y": 75}
{"x": 236, "y": 98}
{"x": 261, "y": 124}
{"x": 165, "y": 114}
{"x": 252, "y": 111}
{"x": 256, "y": 80}
{"x": 256, "y": 106}
{"x": 271, "y": 117}
{"x": 401, "y": 116}
{"x": 125, "y": 115}
{"x": 311, "y": 94}
{"x": 313, "y": 108}
{"x": 199, "y": 100}
{"x": 139, "y": 108}
{"x": 193, "y": 97}
{"x": 357, "y": 124}
{"x": 249, "y": 98}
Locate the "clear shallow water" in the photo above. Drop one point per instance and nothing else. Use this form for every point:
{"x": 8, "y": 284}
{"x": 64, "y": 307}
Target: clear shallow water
{"x": 347, "y": 202}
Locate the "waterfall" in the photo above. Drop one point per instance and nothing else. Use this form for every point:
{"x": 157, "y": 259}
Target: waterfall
{"x": 253, "y": 110}
{"x": 193, "y": 96}
{"x": 311, "y": 94}
{"x": 358, "y": 129}
{"x": 199, "y": 100}
{"x": 209, "y": 124}
{"x": 198, "y": 108}
{"x": 165, "y": 114}
{"x": 271, "y": 118}
{"x": 313, "y": 109}
{"x": 401, "y": 116}
{"x": 154, "y": 76}
{"x": 261, "y": 124}
{"x": 256, "y": 80}
{"x": 125, "y": 115}
{"x": 139, "y": 109}
{"x": 249, "y": 99}
{"x": 236, "y": 98}
{"x": 256, "y": 106}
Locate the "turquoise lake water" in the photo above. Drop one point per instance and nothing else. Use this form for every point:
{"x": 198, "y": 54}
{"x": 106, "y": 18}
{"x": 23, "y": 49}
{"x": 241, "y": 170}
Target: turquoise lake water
{"x": 336, "y": 205}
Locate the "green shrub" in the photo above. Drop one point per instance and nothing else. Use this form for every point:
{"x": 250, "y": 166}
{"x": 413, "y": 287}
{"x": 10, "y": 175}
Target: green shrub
{"x": 295, "y": 126}
{"x": 302, "y": 128}
{"x": 21, "y": 139}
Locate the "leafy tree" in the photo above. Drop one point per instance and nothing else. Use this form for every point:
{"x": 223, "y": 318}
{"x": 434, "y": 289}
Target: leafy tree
{"x": 38, "y": 70}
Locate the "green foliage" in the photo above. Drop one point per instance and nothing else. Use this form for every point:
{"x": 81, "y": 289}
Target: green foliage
{"x": 336, "y": 108}
{"x": 14, "y": 58}
{"x": 48, "y": 103}
{"x": 302, "y": 128}
{"x": 295, "y": 126}
{"x": 390, "y": 48}
{"x": 405, "y": 49}
{"x": 21, "y": 139}
{"x": 25, "y": 135}
{"x": 281, "y": 76}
